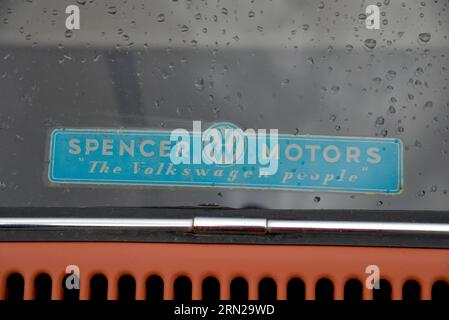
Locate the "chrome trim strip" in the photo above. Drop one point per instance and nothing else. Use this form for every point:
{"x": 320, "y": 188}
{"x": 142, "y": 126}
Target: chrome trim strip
{"x": 245, "y": 225}
{"x": 218, "y": 224}
{"x": 41, "y": 223}
{"x": 285, "y": 226}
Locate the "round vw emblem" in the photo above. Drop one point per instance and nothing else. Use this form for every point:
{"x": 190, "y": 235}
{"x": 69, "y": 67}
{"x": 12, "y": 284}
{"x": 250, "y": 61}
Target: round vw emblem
{"x": 226, "y": 143}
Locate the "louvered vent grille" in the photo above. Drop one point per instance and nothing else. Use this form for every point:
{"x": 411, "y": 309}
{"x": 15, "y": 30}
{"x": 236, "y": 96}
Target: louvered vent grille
{"x": 186, "y": 272}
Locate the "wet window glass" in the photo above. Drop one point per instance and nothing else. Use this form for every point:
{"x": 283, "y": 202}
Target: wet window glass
{"x": 303, "y": 67}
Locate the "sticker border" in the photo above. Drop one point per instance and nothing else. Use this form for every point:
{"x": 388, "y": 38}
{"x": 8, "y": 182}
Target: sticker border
{"x": 121, "y": 182}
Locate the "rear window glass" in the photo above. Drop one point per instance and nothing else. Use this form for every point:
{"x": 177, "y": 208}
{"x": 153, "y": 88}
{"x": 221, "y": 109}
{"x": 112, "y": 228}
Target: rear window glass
{"x": 316, "y": 68}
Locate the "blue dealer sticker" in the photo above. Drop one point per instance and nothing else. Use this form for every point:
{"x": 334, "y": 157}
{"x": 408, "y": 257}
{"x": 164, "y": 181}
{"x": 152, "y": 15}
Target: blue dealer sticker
{"x": 145, "y": 158}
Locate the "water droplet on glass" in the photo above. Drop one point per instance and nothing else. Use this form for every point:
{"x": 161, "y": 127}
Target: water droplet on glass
{"x": 428, "y": 104}
{"x": 380, "y": 121}
{"x": 335, "y": 89}
{"x": 285, "y": 83}
{"x": 391, "y": 74}
{"x": 112, "y": 10}
{"x": 377, "y": 80}
{"x": 349, "y": 48}
{"x": 199, "y": 84}
{"x": 370, "y": 43}
{"x": 424, "y": 37}
{"x": 391, "y": 109}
